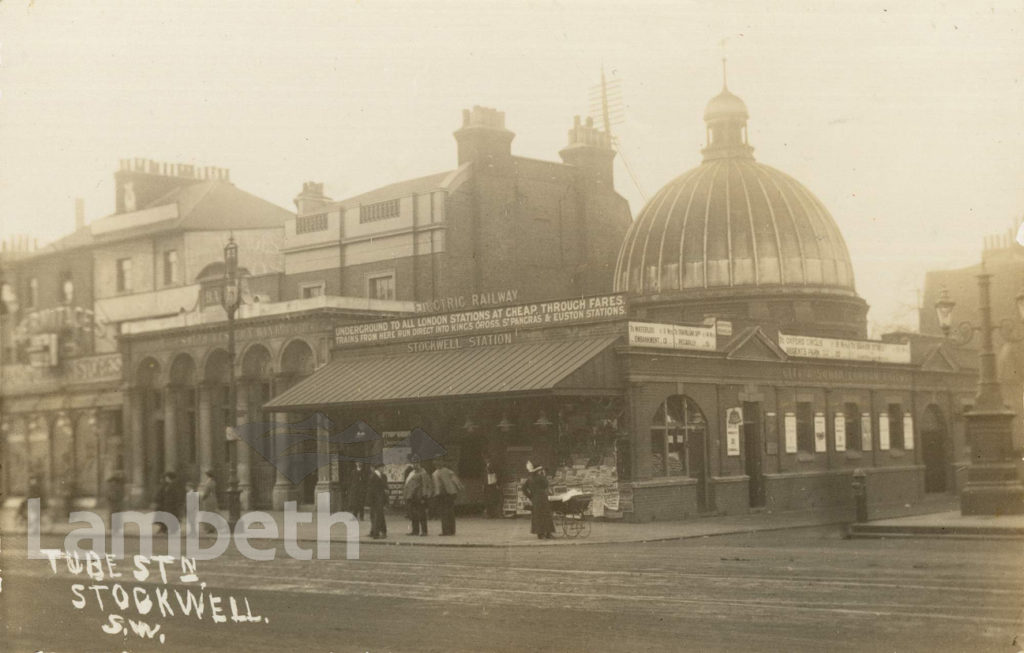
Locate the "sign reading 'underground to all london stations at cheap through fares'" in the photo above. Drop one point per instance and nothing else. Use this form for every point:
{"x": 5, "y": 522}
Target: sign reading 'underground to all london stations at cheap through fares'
{"x": 851, "y": 350}
{"x": 560, "y": 312}
{"x": 672, "y": 336}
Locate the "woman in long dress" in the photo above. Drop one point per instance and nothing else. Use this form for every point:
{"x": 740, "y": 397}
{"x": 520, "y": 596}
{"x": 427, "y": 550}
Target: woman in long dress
{"x": 536, "y": 490}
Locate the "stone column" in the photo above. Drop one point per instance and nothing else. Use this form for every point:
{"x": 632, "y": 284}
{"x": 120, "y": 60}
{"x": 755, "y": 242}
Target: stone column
{"x": 204, "y": 436}
{"x": 323, "y": 450}
{"x": 284, "y": 489}
{"x": 171, "y": 394}
{"x": 244, "y": 452}
{"x": 135, "y": 399}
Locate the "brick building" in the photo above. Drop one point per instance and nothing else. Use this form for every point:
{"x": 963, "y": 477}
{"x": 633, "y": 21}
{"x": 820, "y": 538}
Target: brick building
{"x": 728, "y": 372}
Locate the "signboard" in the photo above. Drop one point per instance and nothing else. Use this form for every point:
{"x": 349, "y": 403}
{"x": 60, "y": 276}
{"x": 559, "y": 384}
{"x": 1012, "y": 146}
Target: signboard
{"x": 671, "y": 336}
{"x": 564, "y": 312}
{"x": 733, "y": 422}
{"x": 839, "y": 426}
{"x": 724, "y": 328}
{"x": 908, "y": 431}
{"x": 790, "y": 421}
{"x": 865, "y": 431}
{"x": 820, "y": 444}
{"x": 474, "y": 300}
{"x": 883, "y": 431}
{"x": 851, "y": 350}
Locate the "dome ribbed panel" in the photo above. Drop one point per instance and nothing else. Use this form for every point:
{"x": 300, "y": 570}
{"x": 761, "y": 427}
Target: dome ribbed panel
{"x": 732, "y": 222}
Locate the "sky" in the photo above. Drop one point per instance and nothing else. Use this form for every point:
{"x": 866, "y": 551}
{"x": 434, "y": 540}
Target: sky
{"x": 905, "y": 118}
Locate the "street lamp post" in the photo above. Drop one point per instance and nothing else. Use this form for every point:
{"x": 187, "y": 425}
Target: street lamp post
{"x": 993, "y": 487}
{"x": 231, "y": 298}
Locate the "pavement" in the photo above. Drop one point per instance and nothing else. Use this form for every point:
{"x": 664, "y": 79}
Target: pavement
{"x": 936, "y": 516}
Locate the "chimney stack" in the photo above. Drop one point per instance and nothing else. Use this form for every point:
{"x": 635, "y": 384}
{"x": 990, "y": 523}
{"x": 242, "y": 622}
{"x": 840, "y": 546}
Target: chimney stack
{"x": 483, "y": 136}
{"x": 311, "y": 199}
{"x": 590, "y": 149}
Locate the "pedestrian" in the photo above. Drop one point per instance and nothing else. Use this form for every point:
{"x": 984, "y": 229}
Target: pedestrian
{"x": 357, "y": 492}
{"x": 208, "y": 498}
{"x": 34, "y": 491}
{"x": 115, "y": 496}
{"x": 170, "y": 497}
{"x": 417, "y": 492}
{"x": 492, "y": 490}
{"x": 377, "y": 494}
{"x": 535, "y": 488}
{"x": 446, "y": 487}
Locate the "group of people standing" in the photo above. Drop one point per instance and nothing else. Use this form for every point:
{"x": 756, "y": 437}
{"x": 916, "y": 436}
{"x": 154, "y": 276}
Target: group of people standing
{"x": 419, "y": 490}
{"x": 170, "y": 497}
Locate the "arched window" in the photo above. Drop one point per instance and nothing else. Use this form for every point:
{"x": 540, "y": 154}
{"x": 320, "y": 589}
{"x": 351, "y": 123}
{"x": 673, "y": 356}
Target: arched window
{"x": 678, "y": 435}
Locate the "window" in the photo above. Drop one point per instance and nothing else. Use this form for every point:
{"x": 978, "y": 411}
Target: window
{"x": 678, "y": 432}
{"x": 65, "y": 287}
{"x": 309, "y": 223}
{"x": 851, "y": 413}
{"x": 379, "y": 211}
{"x": 896, "y": 426}
{"x": 170, "y": 267}
{"x": 32, "y": 296}
{"x": 805, "y": 427}
{"x": 312, "y": 290}
{"x": 382, "y": 287}
{"x": 124, "y": 275}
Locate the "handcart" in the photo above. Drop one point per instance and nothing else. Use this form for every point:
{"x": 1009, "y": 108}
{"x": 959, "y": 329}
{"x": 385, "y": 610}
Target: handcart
{"x": 570, "y": 512}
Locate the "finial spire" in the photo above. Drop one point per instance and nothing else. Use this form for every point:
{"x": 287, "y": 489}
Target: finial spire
{"x": 725, "y": 83}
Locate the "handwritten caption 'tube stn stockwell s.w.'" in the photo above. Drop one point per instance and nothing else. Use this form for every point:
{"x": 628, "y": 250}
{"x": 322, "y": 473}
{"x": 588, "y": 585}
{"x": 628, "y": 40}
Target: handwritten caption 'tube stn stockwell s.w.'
{"x": 140, "y": 610}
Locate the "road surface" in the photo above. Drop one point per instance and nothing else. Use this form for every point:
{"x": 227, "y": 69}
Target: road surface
{"x": 795, "y": 590}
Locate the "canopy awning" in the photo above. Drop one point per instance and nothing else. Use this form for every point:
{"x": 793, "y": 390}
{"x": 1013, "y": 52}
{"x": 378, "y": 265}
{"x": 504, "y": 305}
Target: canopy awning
{"x": 556, "y": 366}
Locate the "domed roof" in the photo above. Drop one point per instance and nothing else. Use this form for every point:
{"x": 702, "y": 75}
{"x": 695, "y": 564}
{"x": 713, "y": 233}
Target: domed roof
{"x": 725, "y": 105}
{"x": 733, "y": 223}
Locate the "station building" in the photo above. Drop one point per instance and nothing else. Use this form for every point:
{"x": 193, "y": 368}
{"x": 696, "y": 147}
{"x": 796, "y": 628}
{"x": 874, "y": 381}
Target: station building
{"x": 725, "y": 369}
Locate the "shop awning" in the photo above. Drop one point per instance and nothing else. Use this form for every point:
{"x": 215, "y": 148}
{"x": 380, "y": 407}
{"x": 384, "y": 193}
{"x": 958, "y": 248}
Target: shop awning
{"x": 510, "y": 369}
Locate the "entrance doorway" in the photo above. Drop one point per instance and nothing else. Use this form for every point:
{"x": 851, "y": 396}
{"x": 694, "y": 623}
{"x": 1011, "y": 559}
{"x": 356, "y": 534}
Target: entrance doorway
{"x": 753, "y": 445}
{"x": 933, "y": 449}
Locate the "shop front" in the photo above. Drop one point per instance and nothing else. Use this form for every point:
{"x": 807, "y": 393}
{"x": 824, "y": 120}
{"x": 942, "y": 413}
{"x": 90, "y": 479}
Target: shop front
{"x": 502, "y": 391}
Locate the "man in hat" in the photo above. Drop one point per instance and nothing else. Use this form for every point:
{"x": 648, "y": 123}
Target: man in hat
{"x": 418, "y": 490}
{"x": 446, "y": 487}
{"x": 377, "y": 494}
{"x": 535, "y": 488}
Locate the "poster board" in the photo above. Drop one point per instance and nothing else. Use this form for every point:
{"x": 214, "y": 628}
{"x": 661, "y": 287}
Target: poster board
{"x": 820, "y": 443}
{"x": 865, "y": 432}
{"x": 908, "y": 431}
{"x": 733, "y": 422}
{"x": 790, "y": 423}
{"x": 883, "y": 431}
{"x": 839, "y": 428}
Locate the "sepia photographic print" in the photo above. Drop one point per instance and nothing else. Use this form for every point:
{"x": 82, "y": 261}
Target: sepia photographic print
{"x": 370, "y": 326}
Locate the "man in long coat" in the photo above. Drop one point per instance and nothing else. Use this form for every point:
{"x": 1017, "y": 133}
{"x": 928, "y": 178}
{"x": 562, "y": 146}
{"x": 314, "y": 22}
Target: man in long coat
{"x": 446, "y": 487}
{"x": 417, "y": 492}
{"x": 377, "y": 494}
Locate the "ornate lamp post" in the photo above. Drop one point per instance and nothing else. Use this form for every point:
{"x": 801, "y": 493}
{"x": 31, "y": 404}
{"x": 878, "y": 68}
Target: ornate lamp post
{"x": 992, "y": 485}
{"x": 231, "y": 298}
